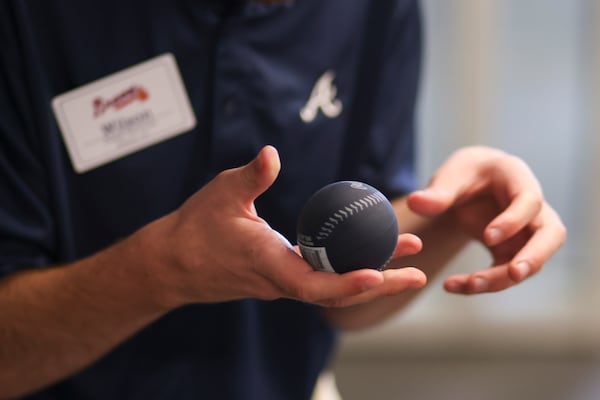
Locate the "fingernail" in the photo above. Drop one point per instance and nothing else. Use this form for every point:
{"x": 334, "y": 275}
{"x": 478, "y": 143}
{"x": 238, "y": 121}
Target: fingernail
{"x": 479, "y": 285}
{"x": 453, "y": 286}
{"x": 524, "y": 269}
{"x": 494, "y": 236}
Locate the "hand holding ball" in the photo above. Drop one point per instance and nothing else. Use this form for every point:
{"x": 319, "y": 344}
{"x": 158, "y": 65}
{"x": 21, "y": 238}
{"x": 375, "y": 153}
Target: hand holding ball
{"x": 346, "y": 226}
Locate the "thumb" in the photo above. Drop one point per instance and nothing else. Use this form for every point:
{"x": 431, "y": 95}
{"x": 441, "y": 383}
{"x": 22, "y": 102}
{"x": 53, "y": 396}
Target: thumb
{"x": 459, "y": 175}
{"x": 444, "y": 189}
{"x": 259, "y": 174}
{"x": 430, "y": 201}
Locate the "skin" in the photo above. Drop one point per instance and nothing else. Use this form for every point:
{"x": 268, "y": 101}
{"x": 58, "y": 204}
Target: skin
{"x": 56, "y": 321}
{"x": 478, "y": 194}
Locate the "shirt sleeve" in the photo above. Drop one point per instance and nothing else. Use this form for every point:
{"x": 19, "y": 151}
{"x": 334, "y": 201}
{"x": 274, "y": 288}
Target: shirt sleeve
{"x": 26, "y": 238}
{"x": 388, "y": 161}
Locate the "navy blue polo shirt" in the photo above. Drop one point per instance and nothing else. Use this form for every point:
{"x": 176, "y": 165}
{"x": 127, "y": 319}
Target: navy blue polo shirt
{"x": 250, "y": 70}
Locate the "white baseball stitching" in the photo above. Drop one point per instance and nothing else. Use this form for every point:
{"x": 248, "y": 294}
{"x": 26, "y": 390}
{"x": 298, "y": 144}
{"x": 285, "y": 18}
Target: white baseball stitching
{"x": 339, "y": 216}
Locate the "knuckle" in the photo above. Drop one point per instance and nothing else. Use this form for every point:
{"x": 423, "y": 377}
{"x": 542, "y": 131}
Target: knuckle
{"x": 517, "y": 161}
{"x": 300, "y": 292}
{"x": 535, "y": 200}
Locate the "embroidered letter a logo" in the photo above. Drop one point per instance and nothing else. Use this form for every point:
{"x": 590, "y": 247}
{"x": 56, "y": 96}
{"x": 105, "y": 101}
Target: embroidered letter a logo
{"x": 322, "y": 97}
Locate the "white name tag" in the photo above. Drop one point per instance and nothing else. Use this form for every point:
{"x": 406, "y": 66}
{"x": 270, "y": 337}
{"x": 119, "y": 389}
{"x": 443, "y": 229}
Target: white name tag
{"x": 124, "y": 112}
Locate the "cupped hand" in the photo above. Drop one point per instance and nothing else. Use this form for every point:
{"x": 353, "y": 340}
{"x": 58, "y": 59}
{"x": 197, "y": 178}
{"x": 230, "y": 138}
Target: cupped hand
{"x": 495, "y": 198}
{"x": 217, "y": 248}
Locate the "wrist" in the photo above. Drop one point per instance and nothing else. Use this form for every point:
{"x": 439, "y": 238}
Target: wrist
{"x": 151, "y": 262}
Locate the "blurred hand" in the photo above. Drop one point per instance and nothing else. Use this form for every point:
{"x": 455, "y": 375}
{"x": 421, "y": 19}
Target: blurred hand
{"x": 216, "y": 248}
{"x": 495, "y": 198}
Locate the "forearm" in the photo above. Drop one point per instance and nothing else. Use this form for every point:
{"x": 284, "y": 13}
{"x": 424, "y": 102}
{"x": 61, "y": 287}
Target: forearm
{"x": 55, "y": 321}
{"x": 441, "y": 242}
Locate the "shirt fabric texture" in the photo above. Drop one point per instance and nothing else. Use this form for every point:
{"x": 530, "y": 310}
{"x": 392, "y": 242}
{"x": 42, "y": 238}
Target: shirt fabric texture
{"x": 248, "y": 69}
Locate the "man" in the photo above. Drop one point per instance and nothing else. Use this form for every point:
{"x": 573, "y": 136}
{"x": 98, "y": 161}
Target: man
{"x": 140, "y": 260}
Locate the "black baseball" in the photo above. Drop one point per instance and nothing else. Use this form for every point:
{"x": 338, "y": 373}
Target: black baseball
{"x": 345, "y": 226}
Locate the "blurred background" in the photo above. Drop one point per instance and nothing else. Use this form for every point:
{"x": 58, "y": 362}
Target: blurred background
{"x": 524, "y": 76}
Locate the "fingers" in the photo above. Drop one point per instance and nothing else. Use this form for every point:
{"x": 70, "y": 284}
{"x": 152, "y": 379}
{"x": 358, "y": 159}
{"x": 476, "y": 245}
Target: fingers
{"x": 388, "y": 282}
{"x": 277, "y": 270}
{"x": 431, "y": 201}
{"x": 299, "y": 281}
{"x": 395, "y": 281}
{"x": 548, "y": 236}
{"x": 493, "y": 197}
{"x": 518, "y": 189}
{"x": 520, "y": 212}
{"x": 461, "y": 174}
{"x": 254, "y": 178}
{"x": 486, "y": 281}
{"x": 408, "y": 245}
{"x": 472, "y": 171}
{"x": 356, "y": 287}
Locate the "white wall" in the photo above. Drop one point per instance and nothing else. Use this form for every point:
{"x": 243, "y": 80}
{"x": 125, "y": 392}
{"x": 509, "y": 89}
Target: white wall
{"x": 520, "y": 75}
